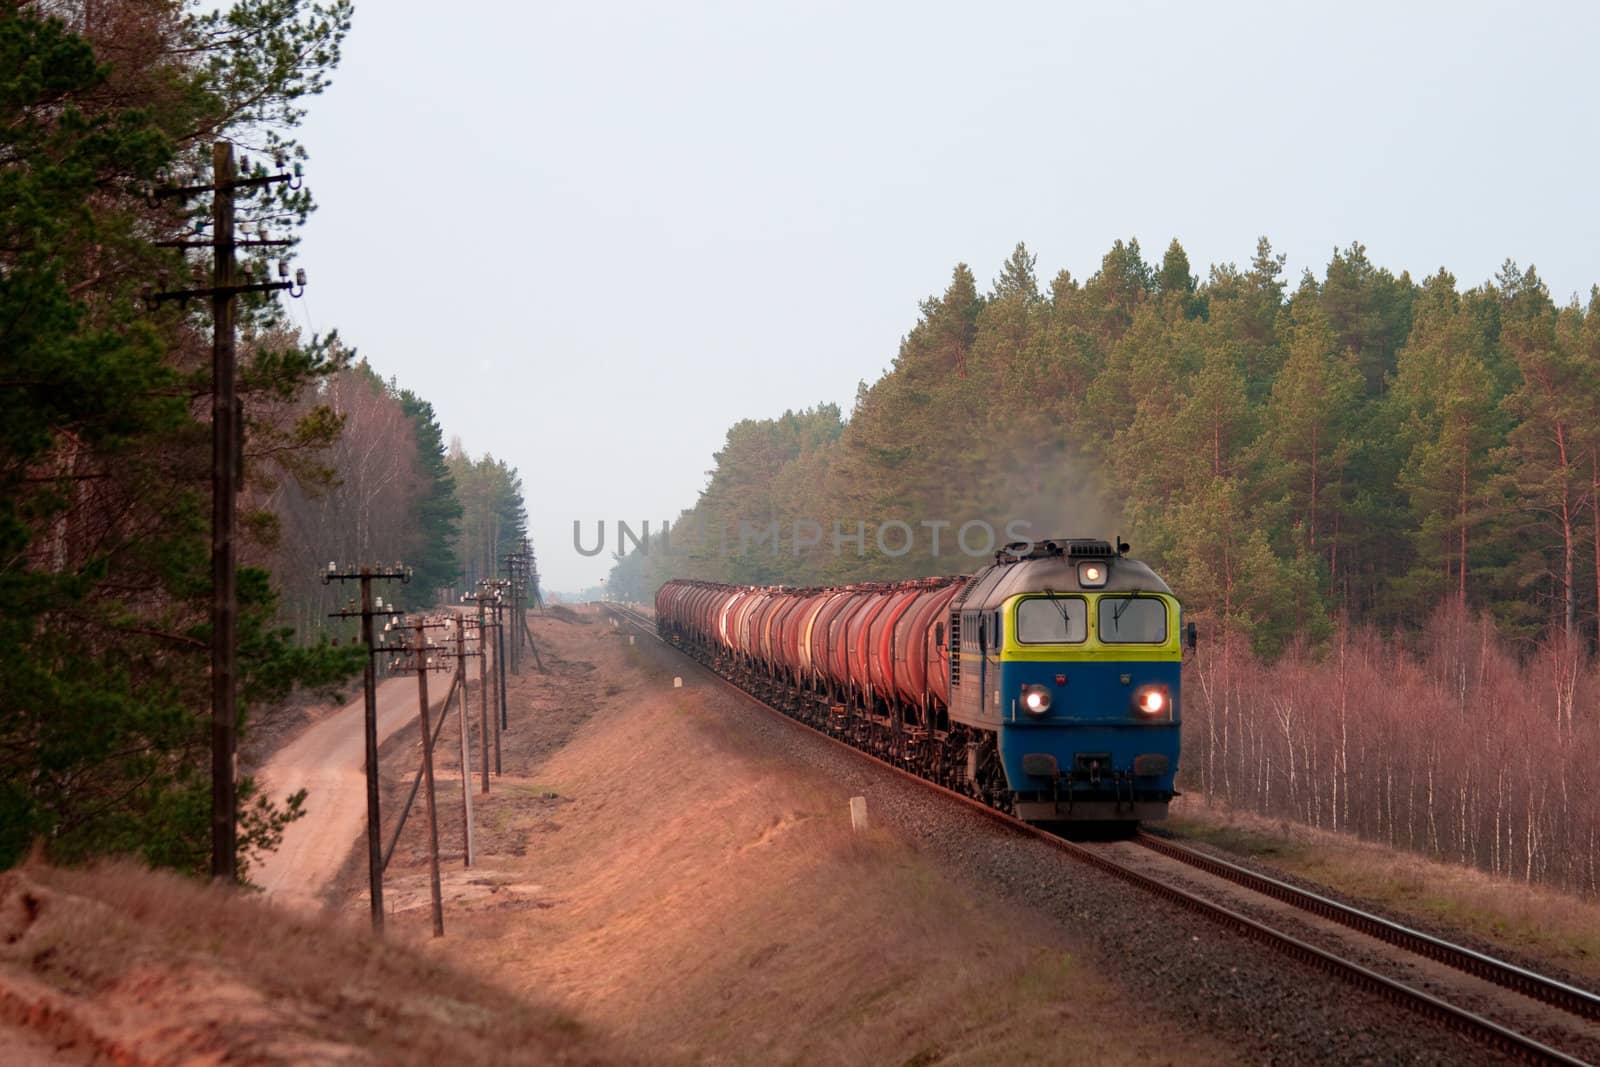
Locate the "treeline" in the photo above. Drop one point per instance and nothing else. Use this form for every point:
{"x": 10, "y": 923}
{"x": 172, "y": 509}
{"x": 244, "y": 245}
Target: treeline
{"x": 104, "y": 425}
{"x": 494, "y": 519}
{"x": 1308, "y": 465}
{"x": 386, "y": 491}
{"x": 1360, "y": 445}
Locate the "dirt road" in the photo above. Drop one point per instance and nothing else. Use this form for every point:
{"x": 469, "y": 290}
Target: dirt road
{"x": 328, "y": 760}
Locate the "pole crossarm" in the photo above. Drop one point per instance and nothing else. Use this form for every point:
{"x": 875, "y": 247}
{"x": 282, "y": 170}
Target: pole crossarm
{"x": 248, "y": 242}
{"x": 398, "y": 573}
{"x": 260, "y": 181}
{"x": 295, "y": 288}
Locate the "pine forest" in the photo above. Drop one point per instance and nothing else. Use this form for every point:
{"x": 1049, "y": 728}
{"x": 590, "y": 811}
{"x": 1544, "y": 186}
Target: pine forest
{"x": 105, "y": 436}
{"x": 1378, "y": 498}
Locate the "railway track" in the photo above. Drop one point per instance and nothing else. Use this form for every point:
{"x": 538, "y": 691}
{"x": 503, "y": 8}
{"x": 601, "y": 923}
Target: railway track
{"x": 1578, "y": 1002}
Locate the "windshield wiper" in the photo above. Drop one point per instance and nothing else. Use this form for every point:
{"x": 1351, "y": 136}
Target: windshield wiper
{"x": 1116, "y": 612}
{"x": 1061, "y": 606}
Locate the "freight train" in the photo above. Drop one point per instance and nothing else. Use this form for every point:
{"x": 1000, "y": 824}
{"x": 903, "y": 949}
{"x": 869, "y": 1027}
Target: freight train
{"x": 1046, "y": 684}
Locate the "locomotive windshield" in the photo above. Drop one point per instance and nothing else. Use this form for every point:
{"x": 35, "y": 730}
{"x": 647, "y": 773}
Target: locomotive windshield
{"x": 1060, "y": 620}
{"x": 1132, "y": 620}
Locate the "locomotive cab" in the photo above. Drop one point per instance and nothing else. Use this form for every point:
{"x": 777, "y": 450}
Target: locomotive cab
{"x": 1070, "y": 683}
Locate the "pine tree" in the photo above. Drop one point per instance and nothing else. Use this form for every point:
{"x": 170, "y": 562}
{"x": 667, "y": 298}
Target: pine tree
{"x": 103, "y": 589}
{"x": 494, "y": 518}
{"x": 1447, "y": 408}
{"x": 1111, "y": 297}
{"x": 1369, "y": 312}
{"x": 437, "y": 511}
{"x": 1307, "y": 439}
{"x": 1544, "y": 448}
{"x": 1243, "y": 308}
{"x": 1176, "y": 286}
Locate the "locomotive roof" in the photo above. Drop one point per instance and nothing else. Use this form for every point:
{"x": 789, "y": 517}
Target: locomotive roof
{"x": 1023, "y": 567}
{"x": 1058, "y": 574}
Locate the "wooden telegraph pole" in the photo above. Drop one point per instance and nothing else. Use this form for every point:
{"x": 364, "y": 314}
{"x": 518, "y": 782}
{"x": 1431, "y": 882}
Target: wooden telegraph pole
{"x": 466, "y": 747}
{"x": 485, "y": 596}
{"x": 420, "y": 650}
{"x": 227, "y": 463}
{"x": 225, "y": 457}
{"x": 369, "y": 687}
{"x": 421, "y": 660}
{"x": 483, "y": 699}
{"x": 533, "y": 575}
{"x": 509, "y": 588}
{"x": 500, "y": 659}
{"x": 523, "y": 574}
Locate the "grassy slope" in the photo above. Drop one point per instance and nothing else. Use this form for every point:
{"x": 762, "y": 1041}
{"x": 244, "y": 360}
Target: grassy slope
{"x": 149, "y": 967}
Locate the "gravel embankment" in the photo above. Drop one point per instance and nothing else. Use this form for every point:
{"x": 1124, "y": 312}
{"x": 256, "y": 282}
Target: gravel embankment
{"x": 1423, "y": 924}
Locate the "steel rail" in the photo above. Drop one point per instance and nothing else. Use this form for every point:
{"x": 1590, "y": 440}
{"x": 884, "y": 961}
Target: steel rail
{"x": 1473, "y": 1026}
{"x": 1579, "y": 1002}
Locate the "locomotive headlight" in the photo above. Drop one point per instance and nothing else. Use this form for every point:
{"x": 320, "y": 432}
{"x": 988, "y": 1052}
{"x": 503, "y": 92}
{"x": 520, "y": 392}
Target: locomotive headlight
{"x": 1091, "y": 575}
{"x": 1035, "y": 700}
{"x": 1150, "y": 700}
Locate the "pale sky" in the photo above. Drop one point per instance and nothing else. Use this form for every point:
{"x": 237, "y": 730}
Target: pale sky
{"x": 597, "y": 235}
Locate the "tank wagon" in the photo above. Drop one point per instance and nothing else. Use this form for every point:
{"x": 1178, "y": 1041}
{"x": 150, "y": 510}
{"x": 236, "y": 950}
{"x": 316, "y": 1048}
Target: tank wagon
{"x": 1046, "y": 684}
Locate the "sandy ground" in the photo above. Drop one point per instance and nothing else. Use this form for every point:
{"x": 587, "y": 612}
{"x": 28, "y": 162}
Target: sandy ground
{"x": 118, "y": 964}
{"x": 328, "y": 760}
{"x": 697, "y": 899}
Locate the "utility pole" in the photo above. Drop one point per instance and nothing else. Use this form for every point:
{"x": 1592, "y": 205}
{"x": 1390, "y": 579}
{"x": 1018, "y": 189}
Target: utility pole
{"x": 538, "y": 660}
{"x": 225, "y": 457}
{"x": 422, "y": 661}
{"x": 466, "y": 749}
{"x": 522, "y": 573}
{"x": 533, "y": 577}
{"x": 514, "y": 587}
{"x": 421, "y": 653}
{"x": 485, "y": 599}
{"x": 416, "y": 779}
{"x": 369, "y": 685}
{"x": 227, "y": 462}
{"x": 512, "y": 562}
{"x": 500, "y": 656}
{"x": 483, "y": 702}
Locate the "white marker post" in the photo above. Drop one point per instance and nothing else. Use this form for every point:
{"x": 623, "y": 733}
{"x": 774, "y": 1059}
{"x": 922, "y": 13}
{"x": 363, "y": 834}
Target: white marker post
{"x": 858, "y": 813}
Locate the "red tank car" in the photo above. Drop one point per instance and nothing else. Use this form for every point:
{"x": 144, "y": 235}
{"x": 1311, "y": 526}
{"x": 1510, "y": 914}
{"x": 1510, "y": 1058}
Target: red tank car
{"x": 880, "y": 641}
{"x": 916, "y": 678}
{"x": 879, "y": 645}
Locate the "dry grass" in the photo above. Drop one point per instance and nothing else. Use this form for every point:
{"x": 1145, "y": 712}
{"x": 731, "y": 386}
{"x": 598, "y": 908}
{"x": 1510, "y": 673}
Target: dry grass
{"x": 1531, "y": 919}
{"x": 704, "y": 900}
{"x": 156, "y": 968}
